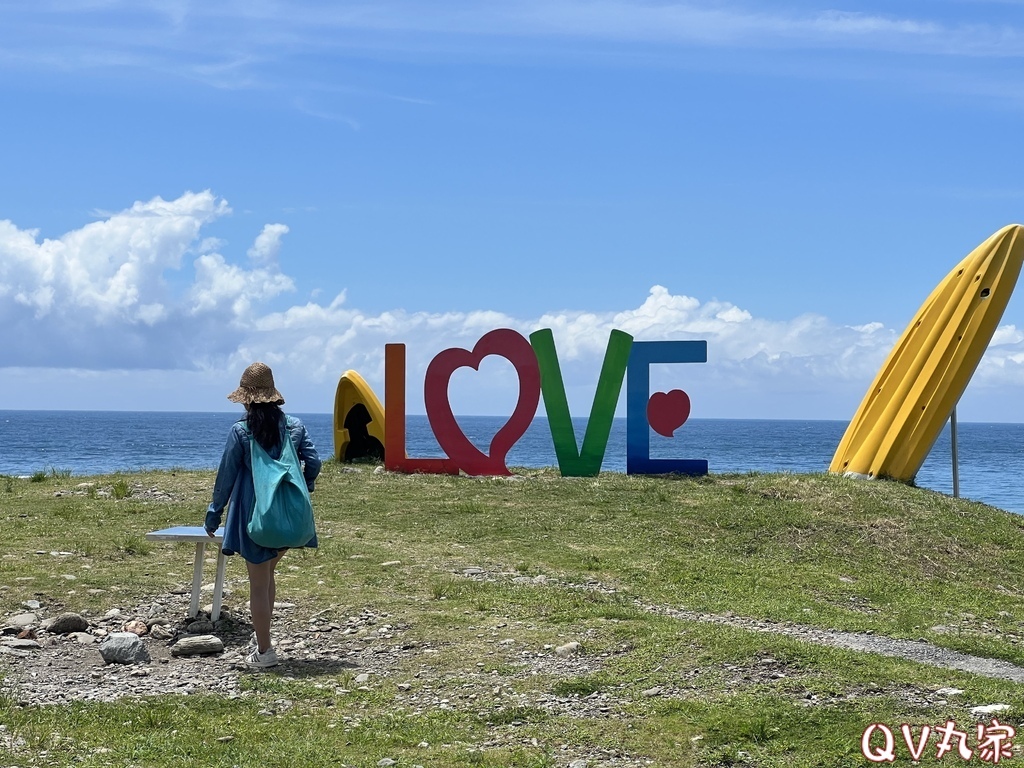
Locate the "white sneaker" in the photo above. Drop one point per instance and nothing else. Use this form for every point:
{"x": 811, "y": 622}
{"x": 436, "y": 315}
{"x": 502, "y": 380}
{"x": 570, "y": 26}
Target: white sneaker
{"x": 258, "y": 660}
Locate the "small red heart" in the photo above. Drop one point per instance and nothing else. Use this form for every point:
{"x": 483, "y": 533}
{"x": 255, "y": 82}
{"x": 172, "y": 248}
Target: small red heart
{"x": 668, "y": 411}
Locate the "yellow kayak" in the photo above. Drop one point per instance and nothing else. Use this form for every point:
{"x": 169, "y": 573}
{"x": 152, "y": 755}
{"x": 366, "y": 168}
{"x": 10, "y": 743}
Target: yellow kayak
{"x": 358, "y": 420}
{"x": 928, "y": 370}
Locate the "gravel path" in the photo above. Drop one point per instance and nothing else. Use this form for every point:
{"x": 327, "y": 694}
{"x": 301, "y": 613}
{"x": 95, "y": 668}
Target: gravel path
{"x": 912, "y": 650}
{"x": 374, "y": 649}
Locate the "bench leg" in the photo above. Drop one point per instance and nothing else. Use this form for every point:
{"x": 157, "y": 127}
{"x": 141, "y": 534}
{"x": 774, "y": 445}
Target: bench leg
{"x": 218, "y": 585}
{"x": 197, "y": 580}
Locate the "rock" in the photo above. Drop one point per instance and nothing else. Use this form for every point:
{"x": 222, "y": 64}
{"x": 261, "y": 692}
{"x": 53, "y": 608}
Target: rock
{"x": 200, "y": 627}
{"x": 136, "y": 627}
{"x": 123, "y": 648}
{"x": 569, "y": 649}
{"x": 22, "y": 620}
{"x": 67, "y": 623}
{"x": 949, "y": 691}
{"x": 160, "y": 632}
{"x": 32, "y": 605}
{"x": 650, "y": 693}
{"x": 197, "y": 644}
{"x": 27, "y": 634}
{"x": 82, "y": 638}
{"x": 989, "y": 709}
{"x": 390, "y": 564}
{"x": 362, "y": 678}
{"x": 578, "y": 764}
{"x": 22, "y": 644}
{"x": 386, "y": 762}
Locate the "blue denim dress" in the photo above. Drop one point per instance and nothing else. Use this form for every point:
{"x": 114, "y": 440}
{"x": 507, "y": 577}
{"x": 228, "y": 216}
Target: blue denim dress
{"x": 234, "y": 488}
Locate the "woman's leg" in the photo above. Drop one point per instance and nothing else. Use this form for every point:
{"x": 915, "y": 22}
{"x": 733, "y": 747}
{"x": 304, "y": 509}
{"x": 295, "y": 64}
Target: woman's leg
{"x": 262, "y": 591}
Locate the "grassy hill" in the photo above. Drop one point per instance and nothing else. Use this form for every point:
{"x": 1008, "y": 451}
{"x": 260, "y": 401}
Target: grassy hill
{"x": 691, "y": 601}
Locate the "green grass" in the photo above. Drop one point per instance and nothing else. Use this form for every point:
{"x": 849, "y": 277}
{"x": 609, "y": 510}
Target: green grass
{"x": 121, "y": 488}
{"x": 559, "y": 560}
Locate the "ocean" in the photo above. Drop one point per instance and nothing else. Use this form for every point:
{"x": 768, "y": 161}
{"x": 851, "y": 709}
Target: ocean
{"x": 95, "y": 442}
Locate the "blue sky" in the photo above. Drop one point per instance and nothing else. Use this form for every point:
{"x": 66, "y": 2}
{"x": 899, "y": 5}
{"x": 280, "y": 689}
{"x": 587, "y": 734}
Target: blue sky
{"x": 187, "y": 187}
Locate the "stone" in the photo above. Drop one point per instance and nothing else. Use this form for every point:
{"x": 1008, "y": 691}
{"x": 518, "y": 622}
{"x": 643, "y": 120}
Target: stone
{"x": 989, "y": 709}
{"x": 136, "y": 627}
{"x": 200, "y": 627}
{"x": 578, "y": 764}
{"x": 195, "y": 645}
{"x": 22, "y": 620}
{"x": 66, "y": 623}
{"x": 82, "y": 638}
{"x": 386, "y": 762}
{"x": 390, "y": 563}
{"x": 361, "y": 678}
{"x": 949, "y": 691}
{"x": 569, "y": 649}
{"x": 650, "y": 693}
{"x": 160, "y": 632}
{"x": 22, "y": 644}
{"x": 32, "y": 605}
{"x": 123, "y": 648}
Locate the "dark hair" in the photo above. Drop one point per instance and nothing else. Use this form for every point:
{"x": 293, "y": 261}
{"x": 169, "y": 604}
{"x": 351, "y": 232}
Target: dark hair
{"x": 264, "y": 420}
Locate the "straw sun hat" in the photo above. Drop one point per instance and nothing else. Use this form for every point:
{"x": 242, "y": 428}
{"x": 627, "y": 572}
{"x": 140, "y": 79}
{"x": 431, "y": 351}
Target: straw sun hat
{"x": 256, "y": 386}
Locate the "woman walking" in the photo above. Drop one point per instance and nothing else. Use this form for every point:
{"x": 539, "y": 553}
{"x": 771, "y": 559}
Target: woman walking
{"x": 266, "y": 423}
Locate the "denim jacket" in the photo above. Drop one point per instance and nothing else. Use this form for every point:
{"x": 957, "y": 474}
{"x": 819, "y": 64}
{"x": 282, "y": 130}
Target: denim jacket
{"x": 234, "y": 487}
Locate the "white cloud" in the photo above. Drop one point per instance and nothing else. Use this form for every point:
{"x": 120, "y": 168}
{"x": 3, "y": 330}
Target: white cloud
{"x": 99, "y": 299}
{"x": 98, "y": 296}
{"x": 202, "y": 42}
{"x": 268, "y": 244}
{"x": 222, "y": 285}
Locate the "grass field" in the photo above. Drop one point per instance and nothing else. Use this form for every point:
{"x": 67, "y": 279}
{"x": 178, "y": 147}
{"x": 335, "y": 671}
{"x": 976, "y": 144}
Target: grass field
{"x": 494, "y": 574}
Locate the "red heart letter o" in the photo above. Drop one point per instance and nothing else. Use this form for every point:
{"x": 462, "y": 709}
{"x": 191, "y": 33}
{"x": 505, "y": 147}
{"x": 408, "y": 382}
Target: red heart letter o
{"x": 503, "y": 342}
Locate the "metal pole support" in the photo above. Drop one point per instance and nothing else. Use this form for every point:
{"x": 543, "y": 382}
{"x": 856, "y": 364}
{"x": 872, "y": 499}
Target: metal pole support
{"x": 953, "y": 450}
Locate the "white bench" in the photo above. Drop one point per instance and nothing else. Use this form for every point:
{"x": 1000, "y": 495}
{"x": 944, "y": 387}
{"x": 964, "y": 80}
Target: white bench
{"x": 198, "y": 535}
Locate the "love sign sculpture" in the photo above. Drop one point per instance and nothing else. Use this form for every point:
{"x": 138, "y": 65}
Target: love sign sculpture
{"x": 536, "y": 363}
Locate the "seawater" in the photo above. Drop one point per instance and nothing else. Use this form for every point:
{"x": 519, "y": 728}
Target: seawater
{"x": 99, "y": 442}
